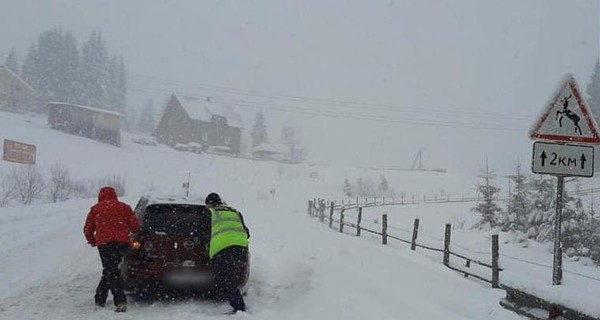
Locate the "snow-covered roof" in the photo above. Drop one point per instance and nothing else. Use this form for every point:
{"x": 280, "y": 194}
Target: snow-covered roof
{"x": 265, "y": 147}
{"x": 219, "y": 149}
{"x": 114, "y": 113}
{"x": 203, "y": 110}
{"x": 16, "y": 76}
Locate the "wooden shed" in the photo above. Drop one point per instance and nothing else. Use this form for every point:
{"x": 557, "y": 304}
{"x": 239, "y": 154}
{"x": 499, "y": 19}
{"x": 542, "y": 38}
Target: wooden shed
{"x": 98, "y": 124}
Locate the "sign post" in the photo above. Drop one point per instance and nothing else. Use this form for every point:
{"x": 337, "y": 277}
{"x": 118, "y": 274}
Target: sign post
{"x": 557, "y": 261}
{"x": 565, "y": 120}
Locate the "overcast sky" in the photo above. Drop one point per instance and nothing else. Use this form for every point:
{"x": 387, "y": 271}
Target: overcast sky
{"x": 324, "y": 67}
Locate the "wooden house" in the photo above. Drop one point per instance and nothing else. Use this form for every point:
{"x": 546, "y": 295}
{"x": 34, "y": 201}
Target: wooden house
{"x": 98, "y": 124}
{"x": 16, "y": 95}
{"x": 213, "y": 125}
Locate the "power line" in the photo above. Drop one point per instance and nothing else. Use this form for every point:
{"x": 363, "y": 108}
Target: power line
{"x": 331, "y": 114}
{"x": 338, "y": 103}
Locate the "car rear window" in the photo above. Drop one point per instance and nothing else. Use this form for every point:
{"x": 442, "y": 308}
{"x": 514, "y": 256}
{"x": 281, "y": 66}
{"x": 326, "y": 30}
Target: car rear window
{"x": 177, "y": 219}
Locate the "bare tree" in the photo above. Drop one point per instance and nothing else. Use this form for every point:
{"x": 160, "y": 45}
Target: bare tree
{"x": 29, "y": 183}
{"x": 60, "y": 185}
{"x": 7, "y": 189}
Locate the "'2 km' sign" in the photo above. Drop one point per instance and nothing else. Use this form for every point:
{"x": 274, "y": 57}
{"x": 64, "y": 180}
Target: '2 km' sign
{"x": 563, "y": 159}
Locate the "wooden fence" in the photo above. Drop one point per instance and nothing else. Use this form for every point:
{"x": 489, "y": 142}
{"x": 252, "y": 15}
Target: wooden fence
{"x": 517, "y": 301}
{"x": 317, "y": 208}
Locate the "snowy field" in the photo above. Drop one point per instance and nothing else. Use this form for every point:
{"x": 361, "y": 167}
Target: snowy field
{"x": 300, "y": 269}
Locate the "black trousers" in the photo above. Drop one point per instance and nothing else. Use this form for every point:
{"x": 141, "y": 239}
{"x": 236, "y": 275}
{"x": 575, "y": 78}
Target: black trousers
{"x": 111, "y": 255}
{"x": 224, "y": 264}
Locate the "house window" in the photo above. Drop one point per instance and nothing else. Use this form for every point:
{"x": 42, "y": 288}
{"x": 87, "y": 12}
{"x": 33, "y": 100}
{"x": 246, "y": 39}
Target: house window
{"x": 227, "y": 140}
{"x": 203, "y": 136}
{"x": 218, "y": 120}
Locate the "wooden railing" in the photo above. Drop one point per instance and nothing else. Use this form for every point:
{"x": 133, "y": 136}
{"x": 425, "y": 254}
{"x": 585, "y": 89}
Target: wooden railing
{"x": 317, "y": 208}
{"x": 516, "y": 300}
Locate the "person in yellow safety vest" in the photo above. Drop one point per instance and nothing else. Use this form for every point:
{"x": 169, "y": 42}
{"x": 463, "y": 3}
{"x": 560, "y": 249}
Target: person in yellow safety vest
{"x": 228, "y": 246}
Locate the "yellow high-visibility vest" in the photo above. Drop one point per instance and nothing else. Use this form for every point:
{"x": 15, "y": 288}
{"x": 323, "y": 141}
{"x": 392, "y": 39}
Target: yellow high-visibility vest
{"x": 226, "y": 230}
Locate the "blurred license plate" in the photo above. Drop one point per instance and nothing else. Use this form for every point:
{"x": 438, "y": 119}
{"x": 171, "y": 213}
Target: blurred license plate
{"x": 184, "y": 277}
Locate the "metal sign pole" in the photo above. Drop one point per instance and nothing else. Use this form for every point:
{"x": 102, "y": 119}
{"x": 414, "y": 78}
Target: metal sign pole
{"x": 557, "y": 265}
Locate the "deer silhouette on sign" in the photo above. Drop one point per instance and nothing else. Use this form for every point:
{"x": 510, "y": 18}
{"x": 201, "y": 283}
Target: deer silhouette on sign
{"x": 565, "y": 112}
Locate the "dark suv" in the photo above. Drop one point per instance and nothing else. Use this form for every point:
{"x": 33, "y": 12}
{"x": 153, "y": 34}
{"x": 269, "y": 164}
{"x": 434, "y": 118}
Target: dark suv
{"x": 173, "y": 247}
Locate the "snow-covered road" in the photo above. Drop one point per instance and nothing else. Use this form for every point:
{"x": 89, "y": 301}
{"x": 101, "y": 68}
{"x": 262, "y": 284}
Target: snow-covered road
{"x": 300, "y": 270}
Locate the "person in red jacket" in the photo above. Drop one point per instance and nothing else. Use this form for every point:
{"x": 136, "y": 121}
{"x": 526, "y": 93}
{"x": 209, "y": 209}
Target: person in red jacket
{"x": 108, "y": 226}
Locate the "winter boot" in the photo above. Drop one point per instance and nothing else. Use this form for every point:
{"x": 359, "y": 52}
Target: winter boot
{"x": 233, "y": 312}
{"x": 121, "y": 307}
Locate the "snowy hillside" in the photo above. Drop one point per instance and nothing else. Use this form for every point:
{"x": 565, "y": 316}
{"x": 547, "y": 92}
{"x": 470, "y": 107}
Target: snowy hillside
{"x": 299, "y": 270}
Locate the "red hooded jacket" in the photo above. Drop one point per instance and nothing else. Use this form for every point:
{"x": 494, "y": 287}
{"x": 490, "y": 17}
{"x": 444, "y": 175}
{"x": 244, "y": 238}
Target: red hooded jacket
{"x": 109, "y": 220}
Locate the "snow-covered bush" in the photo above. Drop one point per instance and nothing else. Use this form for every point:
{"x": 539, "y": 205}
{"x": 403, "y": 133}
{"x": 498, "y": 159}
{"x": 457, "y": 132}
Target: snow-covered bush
{"x": 60, "y": 186}
{"x": 7, "y": 189}
{"x": 28, "y": 183}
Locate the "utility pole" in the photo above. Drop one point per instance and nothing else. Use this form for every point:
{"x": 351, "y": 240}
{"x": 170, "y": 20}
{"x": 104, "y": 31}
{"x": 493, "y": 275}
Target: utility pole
{"x": 418, "y": 158}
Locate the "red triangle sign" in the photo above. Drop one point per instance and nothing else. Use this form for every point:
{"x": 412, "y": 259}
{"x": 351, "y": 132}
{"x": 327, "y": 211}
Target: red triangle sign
{"x": 567, "y": 118}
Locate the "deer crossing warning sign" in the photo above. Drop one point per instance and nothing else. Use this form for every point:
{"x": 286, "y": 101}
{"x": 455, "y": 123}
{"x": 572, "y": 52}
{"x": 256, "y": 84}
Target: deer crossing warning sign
{"x": 566, "y": 118}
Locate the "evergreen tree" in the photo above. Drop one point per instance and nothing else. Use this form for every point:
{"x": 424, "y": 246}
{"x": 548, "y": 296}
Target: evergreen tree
{"x": 146, "y": 122}
{"x": 94, "y": 73}
{"x": 117, "y": 84}
{"x": 487, "y": 208}
{"x": 516, "y": 216}
{"x": 573, "y": 229}
{"x": 384, "y": 186}
{"x": 11, "y": 61}
{"x": 593, "y": 239}
{"x": 347, "y": 188}
{"x": 56, "y": 65}
{"x": 30, "y": 65}
{"x": 51, "y": 66}
{"x": 259, "y": 130}
{"x": 69, "y": 75}
{"x": 593, "y": 91}
{"x": 593, "y": 99}
{"x": 540, "y": 222}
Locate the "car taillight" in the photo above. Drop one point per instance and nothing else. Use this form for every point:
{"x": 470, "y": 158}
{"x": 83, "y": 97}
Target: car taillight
{"x": 136, "y": 245}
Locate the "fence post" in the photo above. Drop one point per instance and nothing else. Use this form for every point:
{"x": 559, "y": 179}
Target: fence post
{"x": 447, "y": 245}
{"x": 413, "y": 244}
{"x": 330, "y": 217}
{"x": 495, "y": 269}
{"x": 342, "y": 220}
{"x": 384, "y": 229}
{"x": 359, "y": 219}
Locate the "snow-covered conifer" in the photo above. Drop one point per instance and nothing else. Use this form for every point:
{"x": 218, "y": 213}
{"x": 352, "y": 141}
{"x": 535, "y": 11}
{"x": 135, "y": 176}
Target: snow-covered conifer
{"x": 488, "y": 208}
